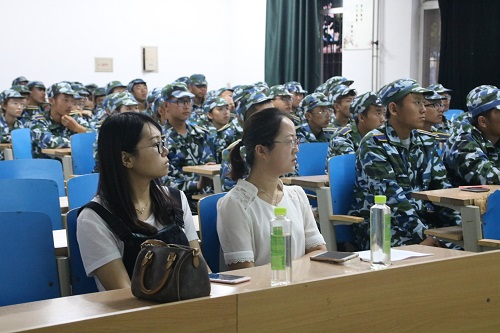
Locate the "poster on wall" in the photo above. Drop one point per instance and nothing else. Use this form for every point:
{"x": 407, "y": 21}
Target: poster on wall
{"x": 357, "y": 25}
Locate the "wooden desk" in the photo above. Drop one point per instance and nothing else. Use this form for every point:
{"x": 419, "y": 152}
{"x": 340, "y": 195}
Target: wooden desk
{"x": 64, "y": 154}
{"x": 7, "y": 151}
{"x": 211, "y": 171}
{"x": 320, "y": 185}
{"x": 409, "y": 296}
{"x": 471, "y": 206}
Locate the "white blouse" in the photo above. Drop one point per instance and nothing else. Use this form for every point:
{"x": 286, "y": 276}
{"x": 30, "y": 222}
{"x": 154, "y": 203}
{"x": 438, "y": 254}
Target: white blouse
{"x": 243, "y": 224}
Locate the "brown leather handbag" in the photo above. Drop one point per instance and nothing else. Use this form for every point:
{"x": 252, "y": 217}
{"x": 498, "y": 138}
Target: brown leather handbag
{"x": 169, "y": 272}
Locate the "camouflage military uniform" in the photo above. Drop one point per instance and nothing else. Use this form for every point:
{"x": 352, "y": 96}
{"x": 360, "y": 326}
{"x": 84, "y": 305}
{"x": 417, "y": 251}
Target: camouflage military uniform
{"x": 344, "y": 141}
{"x": 305, "y": 134}
{"x": 5, "y": 131}
{"x": 46, "y": 133}
{"x": 435, "y": 137}
{"x": 184, "y": 150}
{"x": 384, "y": 166}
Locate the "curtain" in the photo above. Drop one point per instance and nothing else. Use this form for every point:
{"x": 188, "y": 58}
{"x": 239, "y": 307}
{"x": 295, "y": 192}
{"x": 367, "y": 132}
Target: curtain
{"x": 470, "y": 46}
{"x": 293, "y": 42}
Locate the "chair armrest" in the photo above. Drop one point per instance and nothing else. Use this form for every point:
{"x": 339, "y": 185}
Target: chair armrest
{"x": 489, "y": 243}
{"x": 452, "y": 233}
{"x": 343, "y": 219}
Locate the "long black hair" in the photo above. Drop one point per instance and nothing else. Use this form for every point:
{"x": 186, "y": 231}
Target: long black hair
{"x": 121, "y": 132}
{"x": 260, "y": 128}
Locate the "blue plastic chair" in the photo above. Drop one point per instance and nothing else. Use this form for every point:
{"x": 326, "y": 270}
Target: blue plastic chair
{"x": 311, "y": 158}
{"x": 21, "y": 143}
{"x": 210, "y": 244}
{"x": 342, "y": 173}
{"x": 81, "y": 189}
{"x": 452, "y": 114}
{"x": 28, "y": 271}
{"x": 37, "y": 168}
{"x": 82, "y": 152}
{"x": 80, "y": 282}
{"x": 491, "y": 218}
{"x": 31, "y": 195}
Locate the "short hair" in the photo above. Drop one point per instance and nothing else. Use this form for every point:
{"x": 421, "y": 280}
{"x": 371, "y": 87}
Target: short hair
{"x": 121, "y": 133}
{"x": 474, "y": 121}
{"x": 259, "y": 129}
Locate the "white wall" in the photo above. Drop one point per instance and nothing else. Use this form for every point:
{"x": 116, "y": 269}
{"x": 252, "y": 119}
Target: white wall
{"x": 58, "y": 40}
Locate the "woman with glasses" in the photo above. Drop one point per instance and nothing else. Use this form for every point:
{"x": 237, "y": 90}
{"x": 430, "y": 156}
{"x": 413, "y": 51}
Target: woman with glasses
{"x": 268, "y": 149}
{"x": 131, "y": 205}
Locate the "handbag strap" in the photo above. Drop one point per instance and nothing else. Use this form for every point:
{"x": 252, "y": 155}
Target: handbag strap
{"x": 146, "y": 261}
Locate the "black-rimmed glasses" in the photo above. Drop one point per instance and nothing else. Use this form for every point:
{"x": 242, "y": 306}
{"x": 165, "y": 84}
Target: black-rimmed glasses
{"x": 181, "y": 102}
{"x": 160, "y": 146}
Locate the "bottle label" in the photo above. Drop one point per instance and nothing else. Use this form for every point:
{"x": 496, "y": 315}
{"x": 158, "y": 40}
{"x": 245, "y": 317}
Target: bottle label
{"x": 278, "y": 256}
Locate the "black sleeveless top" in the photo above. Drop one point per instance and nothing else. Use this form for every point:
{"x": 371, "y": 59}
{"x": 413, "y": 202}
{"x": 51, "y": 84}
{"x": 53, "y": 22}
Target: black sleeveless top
{"x": 170, "y": 234}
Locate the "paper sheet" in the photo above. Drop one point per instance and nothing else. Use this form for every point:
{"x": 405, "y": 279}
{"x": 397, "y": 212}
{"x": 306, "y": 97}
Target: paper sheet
{"x": 396, "y": 255}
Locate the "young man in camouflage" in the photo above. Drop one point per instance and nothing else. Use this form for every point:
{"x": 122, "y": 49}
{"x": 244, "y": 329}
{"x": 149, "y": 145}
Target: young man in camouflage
{"x": 282, "y": 99}
{"x": 433, "y": 117}
{"x": 394, "y": 161}
{"x": 472, "y": 154}
{"x": 298, "y": 94}
{"x": 197, "y": 86}
{"x": 139, "y": 89}
{"x": 368, "y": 113}
{"x": 341, "y": 97}
{"x": 53, "y": 128}
{"x": 445, "y": 125}
{"x": 318, "y": 111}
{"x": 36, "y": 101}
{"x": 187, "y": 144}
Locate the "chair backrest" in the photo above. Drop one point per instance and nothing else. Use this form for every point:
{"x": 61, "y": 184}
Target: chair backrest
{"x": 31, "y": 195}
{"x": 342, "y": 174}
{"x": 28, "y": 271}
{"x": 81, "y": 189}
{"x": 491, "y": 221}
{"x": 37, "y": 168}
{"x": 451, "y": 114}
{"x": 21, "y": 143}
{"x": 210, "y": 244}
{"x": 311, "y": 158}
{"x": 82, "y": 152}
{"x": 80, "y": 282}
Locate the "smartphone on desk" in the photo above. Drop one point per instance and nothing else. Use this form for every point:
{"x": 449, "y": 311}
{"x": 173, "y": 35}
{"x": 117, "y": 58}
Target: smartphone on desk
{"x": 227, "y": 278}
{"x": 474, "y": 188}
{"x": 334, "y": 256}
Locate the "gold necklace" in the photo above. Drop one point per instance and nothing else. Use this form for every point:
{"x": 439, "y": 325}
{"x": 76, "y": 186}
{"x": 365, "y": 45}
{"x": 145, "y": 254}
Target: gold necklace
{"x": 141, "y": 210}
{"x": 273, "y": 200}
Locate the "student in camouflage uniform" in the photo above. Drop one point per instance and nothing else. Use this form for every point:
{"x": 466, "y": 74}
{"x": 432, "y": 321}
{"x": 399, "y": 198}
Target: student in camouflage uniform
{"x": 197, "y": 85}
{"x": 282, "y": 100}
{"x": 394, "y": 161}
{"x": 255, "y": 101}
{"x": 98, "y": 97}
{"x": 36, "y": 102}
{"x": 187, "y": 144}
{"x": 221, "y": 131}
{"x": 446, "y": 124}
{"x": 368, "y": 113}
{"x": 53, "y": 129}
{"x": 10, "y": 117}
{"x": 298, "y": 94}
{"x": 472, "y": 154}
{"x": 433, "y": 117}
{"x": 317, "y": 110}
{"x": 153, "y": 95}
{"x": 139, "y": 89}
{"x": 341, "y": 97}
{"x": 21, "y": 80}
{"x": 114, "y": 87}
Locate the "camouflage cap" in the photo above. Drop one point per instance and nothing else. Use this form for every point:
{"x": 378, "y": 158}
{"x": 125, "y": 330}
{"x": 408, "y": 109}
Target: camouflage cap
{"x": 331, "y": 83}
{"x": 112, "y": 85}
{"x": 278, "y": 90}
{"x": 152, "y": 95}
{"x": 60, "y": 88}
{"x": 482, "y": 99}
{"x": 197, "y": 80}
{"x": 91, "y": 87}
{"x": 21, "y": 89}
{"x": 362, "y": 102}
{"x": 177, "y": 90}
{"x": 313, "y": 100}
{"x": 254, "y": 98}
{"x": 241, "y": 91}
{"x": 35, "y": 84}
{"x": 132, "y": 83}
{"x": 435, "y": 96}
{"x": 10, "y": 93}
{"x": 296, "y": 87}
{"x": 99, "y": 91}
{"x": 156, "y": 103}
{"x": 211, "y": 103}
{"x": 183, "y": 79}
{"x": 108, "y": 101}
{"x": 19, "y": 80}
{"x": 119, "y": 99}
{"x": 438, "y": 87}
{"x": 398, "y": 89}
{"x": 340, "y": 91}
{"x": 262, "y": 86}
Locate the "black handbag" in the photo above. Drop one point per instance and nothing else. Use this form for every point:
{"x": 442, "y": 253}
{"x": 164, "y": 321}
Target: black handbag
{"x": 169, "y": 272}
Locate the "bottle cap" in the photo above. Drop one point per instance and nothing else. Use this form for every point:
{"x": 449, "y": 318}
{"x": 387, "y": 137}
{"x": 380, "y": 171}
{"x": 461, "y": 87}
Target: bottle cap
{"x": 280, "y": 211}
{"x": 380, "y": 199}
